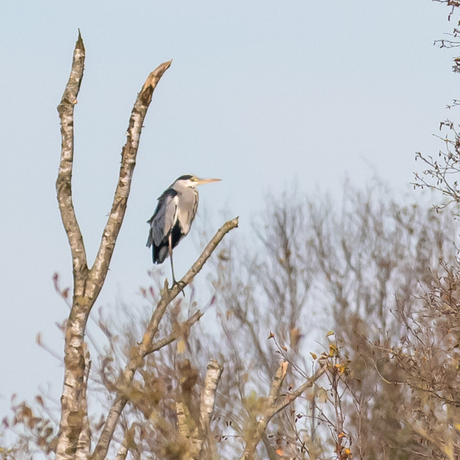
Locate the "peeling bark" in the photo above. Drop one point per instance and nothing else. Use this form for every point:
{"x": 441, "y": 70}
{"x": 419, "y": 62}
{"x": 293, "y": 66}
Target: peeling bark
{"x": 182, "y": 415}
{"x": 63, "y": 183}
{"x": 84, "y": 439}
{"x": 73, "y": 400}
{"x": 208, "y": 398}
{"x": 74, "y": 436}
{"x": 199, "y": 434}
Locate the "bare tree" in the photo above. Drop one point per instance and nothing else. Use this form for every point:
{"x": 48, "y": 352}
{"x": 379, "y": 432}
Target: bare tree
{"x": 359, "y": 270}
{"x": 74, "y": 439}
{"x": 375, "y": 281}
{"x": 74, "y": 436}
{"x": 188, "y": 425}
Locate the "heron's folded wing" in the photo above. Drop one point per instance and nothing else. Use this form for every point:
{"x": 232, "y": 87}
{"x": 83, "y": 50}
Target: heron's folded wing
{"x": 165, "y": 216}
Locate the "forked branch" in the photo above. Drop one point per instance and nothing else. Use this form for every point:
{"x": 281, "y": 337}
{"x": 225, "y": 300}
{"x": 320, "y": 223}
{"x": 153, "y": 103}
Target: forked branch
{"x": 74, "y": 441}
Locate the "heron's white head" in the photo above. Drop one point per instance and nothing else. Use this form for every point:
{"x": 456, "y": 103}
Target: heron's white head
{"x": 189, "y": 180}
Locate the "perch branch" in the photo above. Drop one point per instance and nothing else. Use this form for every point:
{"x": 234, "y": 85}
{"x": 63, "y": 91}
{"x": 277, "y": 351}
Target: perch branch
{"x": 146, "y": 346}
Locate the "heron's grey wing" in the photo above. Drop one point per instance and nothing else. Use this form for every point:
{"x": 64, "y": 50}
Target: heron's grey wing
{"x": 164, "y": 217}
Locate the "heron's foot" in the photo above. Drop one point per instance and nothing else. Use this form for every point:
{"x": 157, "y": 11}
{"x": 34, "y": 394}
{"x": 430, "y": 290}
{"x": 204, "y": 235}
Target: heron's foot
{"x": 180, "y": 284}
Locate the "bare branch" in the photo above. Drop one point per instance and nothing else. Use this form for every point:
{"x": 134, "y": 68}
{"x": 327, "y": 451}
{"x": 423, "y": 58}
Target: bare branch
{"x": 277, "y": 384}
{"x": 63, "y": 183}
{"x": 74, "y": 394}
{"x": 128, "y": 161}
{"x": 186, "y": 426}
{"x": 208, "y": 397}
{"x": 289, "y": 398}
{"x": 176, "y": 333}
{"x": 84, "y": 441}
{"x": 146, "y": 346}
{"x": 182, "y": 415}
{"x": 122, "y": 451}
{"x": 272, "y": 408}
{"x": 172, "y": 293}
{"x": 74, "y": 440}
{"x": 127, "y": 442}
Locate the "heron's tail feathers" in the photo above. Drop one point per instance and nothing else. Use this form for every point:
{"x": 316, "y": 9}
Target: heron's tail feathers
{"x": 149, "y": 240}
{"x": 159, "y": 253}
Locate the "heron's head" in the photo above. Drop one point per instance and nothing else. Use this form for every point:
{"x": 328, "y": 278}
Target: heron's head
{"x": 191, "y": 181}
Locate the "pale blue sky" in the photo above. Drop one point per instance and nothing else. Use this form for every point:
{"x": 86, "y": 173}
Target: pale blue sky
{"x": 260, "y": 93}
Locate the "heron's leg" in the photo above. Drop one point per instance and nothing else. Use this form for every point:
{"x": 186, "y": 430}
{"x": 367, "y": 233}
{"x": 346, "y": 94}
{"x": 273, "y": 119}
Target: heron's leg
{"x": 171, "y": 257}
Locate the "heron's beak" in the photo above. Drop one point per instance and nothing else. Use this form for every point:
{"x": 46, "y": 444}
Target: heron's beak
{"x": 206, "y": 181}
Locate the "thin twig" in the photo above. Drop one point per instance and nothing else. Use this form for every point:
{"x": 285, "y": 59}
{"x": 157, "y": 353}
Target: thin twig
{"x": 176, "y": 333}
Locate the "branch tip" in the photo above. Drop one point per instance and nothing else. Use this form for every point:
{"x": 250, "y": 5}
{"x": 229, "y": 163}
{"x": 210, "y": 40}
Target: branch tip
{"x": 80, "y": 43}
{"x": 213, "y": 364}
{"x": 155, "y": 75}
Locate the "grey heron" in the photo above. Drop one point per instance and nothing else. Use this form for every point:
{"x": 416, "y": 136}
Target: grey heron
{"x": 173, "y": 217}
